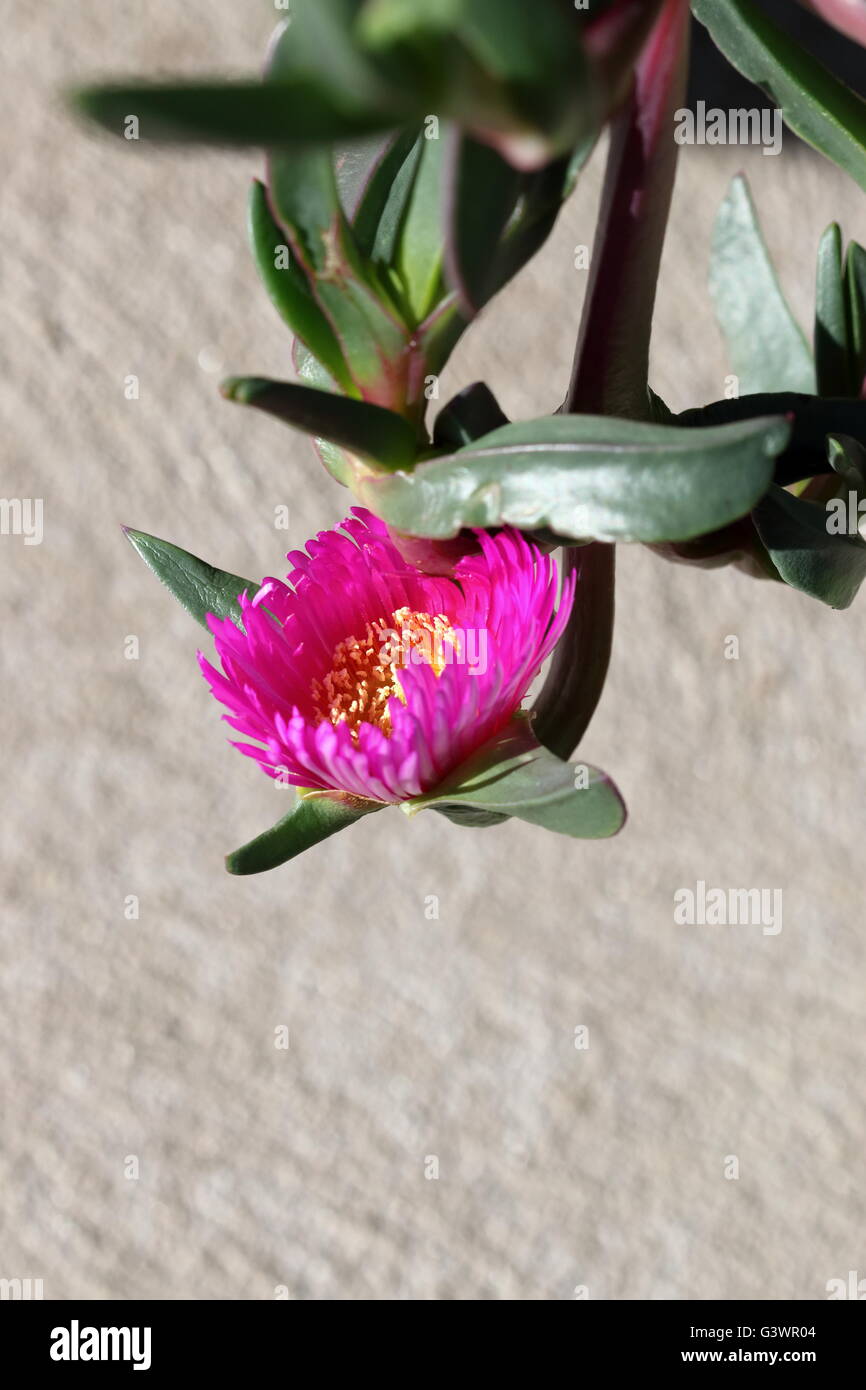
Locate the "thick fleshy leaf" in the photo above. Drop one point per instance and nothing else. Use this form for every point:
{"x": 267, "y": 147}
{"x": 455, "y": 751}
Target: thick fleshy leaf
{"x": 826, "y": 564}
{"x": 516, "y": 776}
{"x": 417, "y": 252}
{"x": 320, "y": 87}
{"x": 439, "y": 334}
{"x": 514, "y": 73}
{"x": 587, "y": 476}
{"x": 369, "y": 176}
{"x": 815, "y": 104}
{"x": 812, "y": 419}
{"x": 659, "y": 411}
{"x": 473, "y": 412}
{"x": 303, "y": 195}
{"x": 831, "y": 318}
{"x": 318, "y": 39}
{"x": 200, "y": 587}
{"x": 766, "y": 346}
{"x": 313, "y": 818}
{"x": 289, "y": 288}
{"x": 855, "y": 280}
{"x": 299, "y": 112}
{"x": 374, "y": 434}
{"x": 312, "y": 374}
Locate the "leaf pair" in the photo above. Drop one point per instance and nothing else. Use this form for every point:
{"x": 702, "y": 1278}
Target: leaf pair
{"x": 511, "y": 776}
{"x": 794, "y": 535}
{"x": 815, "y": 545}
{"x": 586, "y": 477}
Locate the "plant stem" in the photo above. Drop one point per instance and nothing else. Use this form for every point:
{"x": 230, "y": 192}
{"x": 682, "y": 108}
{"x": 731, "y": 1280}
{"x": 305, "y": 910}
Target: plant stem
{"x": 611, "y": 362}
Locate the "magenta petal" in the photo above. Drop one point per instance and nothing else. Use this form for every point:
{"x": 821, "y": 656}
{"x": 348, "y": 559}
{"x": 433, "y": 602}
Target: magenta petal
{"x": 501, "y": 604}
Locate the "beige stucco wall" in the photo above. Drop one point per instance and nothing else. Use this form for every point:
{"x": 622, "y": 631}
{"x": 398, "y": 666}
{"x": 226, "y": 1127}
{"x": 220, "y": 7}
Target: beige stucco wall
{"x": 409, "y": 1037}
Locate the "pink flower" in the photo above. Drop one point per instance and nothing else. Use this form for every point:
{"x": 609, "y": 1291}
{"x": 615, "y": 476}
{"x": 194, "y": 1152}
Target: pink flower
{"x": 362, "y": 675}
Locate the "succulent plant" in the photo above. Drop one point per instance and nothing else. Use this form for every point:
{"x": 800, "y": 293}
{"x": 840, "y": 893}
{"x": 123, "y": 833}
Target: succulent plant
{"x": 418, "y": 155}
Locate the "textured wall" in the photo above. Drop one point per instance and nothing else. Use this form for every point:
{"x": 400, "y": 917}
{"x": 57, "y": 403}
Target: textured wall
{"x": 409, "y": 1037}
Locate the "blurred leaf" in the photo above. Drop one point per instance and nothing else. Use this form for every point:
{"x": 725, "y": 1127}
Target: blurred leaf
{"x": 515, "y": 776}
{"x": 809, "y": 557}
{"x": 543, "y": 193}
{"x": 299, "y": 113}
{"x": 318, "y": 40}
{"x": 815, "y": 104}
{"x": 287, "y": 284}
{"x": 319, "y": 87}
{"x": 831, "y": 318}
{"x": 511, "y": 73}
{"x": 369, "y": 431}
{"x": 199, "y": 587}
{"x": 313, "y": 818}
{"x": 766, "y": 347}
{"x": 482, "y": 192}
{"x": 587, "y": 476}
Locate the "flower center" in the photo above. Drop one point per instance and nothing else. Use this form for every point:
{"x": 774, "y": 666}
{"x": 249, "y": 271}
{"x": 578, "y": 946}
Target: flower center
{"x": 364, "y": 671}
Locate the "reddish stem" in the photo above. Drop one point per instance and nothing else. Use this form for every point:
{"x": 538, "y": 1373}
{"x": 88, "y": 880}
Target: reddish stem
{"x": 611, "y": 362}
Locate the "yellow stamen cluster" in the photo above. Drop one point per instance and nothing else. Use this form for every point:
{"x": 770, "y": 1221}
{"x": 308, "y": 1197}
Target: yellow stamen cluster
{"x": 364, "y": 672}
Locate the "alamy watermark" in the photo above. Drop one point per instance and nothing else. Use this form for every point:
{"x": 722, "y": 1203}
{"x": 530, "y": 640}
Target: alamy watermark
{"x": 22, "y": 516}
{"x": 738, "y": 126}
{"x": 436, "y": 647}
{"x": 729, "y": 907}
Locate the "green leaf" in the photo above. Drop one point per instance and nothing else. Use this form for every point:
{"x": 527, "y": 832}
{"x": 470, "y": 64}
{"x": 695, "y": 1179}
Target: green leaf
{"x": 587, "y": 476}
{"x": 299, "y": 112}
{"x": 473, "y": 412}
{"x": 848, "y": 458}
{"x": 199, "y": 587}
{"x": 320, "y": 87}
{"x": 289, "y": 289}
{"x": 369, "y": 431}
{"x": 808, "y": 556}
{"x": 314, "y": 817}
{"x": 766, "y": 347}
{"x": 815, "y": 104}
{"x": 659, "y": 411}
{"x": 368, "y": 174}
{"x": 812, "y": 419}
{"x": 493, "y": 66}
{"x": 831, "y": 318}
{"x": 312, "y": 374}
{"x": 384, "y": 236}
{"x": 417, "y": 256}
{"x": 438, "y": 335}
{"x": 515, "y": 776}
{"x": 385, "y": 23}
{"x": 318, "y": 40}
{"x": 542, "y": 195}
{"x": 475, "y": 223}
{"x": 855, "y": 279}
{"x": 304, "y": 198}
